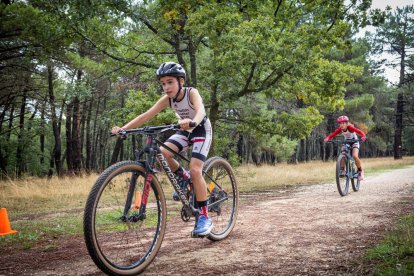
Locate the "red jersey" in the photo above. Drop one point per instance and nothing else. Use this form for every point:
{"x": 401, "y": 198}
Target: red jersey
{"x": 349, "y": 133}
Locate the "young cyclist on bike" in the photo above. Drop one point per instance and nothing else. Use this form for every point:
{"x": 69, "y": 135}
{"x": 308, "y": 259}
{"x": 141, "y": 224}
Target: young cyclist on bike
{"x": 349, "y": 132}
{"x": 188, "y": 105}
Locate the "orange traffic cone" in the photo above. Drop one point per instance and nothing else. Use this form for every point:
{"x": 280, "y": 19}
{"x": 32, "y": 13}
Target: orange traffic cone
{"x": 5, "y": 228}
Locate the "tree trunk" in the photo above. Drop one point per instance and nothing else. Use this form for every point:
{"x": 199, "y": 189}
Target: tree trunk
{"x": 76, "y": 140}
{"x": 4, "y": 143}
{"x": 248, "y": 152}
{"x": 192, "y": 53}
{"x": 119, "y": 145}
{"x": 303, "y": 146}
{"x": 116, "y": 151}
{"x": 20, "y": 164}
{"x": 103, "y": 137}
{"x": 88, "y": 144}
{"x": 69, "y": 150}
{"x": 134, "y": 145}
{"x": 101, "y": 151}
{"x": 6, "y": 106}
{"x": 82, "y": 133}
{"x": 76, "y": 133}
{"x": 398, "y": 127}
{"x": 95, "y": 136}
{"x": 42, "y": 134}
{"x": 95, "y": 159}
{"x": 214, "y": 114}
{"x": 10, "y": 125}
{"x": 8, "y": 134}
{"x": 51, "y": 165}
{"x": 399, "y": 109}
{"x": 57, "y": 150}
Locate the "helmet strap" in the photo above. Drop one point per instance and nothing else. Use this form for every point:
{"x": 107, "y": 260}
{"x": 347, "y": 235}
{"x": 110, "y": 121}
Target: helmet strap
{"x": 179, "y": 90}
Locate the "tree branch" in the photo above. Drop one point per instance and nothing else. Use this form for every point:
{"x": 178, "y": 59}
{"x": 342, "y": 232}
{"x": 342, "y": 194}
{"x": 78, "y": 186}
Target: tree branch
{"x": 248, "y": 80}
{"x": 279, "y": 3}
{"x": 111, "y": 55}
{"x": 152, "y": 28}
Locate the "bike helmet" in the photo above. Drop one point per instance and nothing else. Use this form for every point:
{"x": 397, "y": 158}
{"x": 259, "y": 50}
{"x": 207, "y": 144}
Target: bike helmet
{"x": 342, "y": 119}
{"x": 170, "y": 69}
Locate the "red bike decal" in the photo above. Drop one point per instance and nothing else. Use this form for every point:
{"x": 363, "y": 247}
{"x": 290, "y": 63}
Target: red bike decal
{"x": 147, "y": 188}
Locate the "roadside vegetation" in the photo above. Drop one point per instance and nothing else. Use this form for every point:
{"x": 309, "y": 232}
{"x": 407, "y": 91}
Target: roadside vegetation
{"x": 395, "y": 254}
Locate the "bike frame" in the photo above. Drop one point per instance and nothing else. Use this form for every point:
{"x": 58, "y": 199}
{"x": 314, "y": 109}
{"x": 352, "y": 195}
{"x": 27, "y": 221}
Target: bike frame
{"x": 348, "y": 155}
{"x": 153, "y": 151}
{"x": 349, "y": 160}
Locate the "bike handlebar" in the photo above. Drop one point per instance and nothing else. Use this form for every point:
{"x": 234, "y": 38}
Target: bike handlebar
{"x": 346, "y": 141}
{"x": 152, "y": 129}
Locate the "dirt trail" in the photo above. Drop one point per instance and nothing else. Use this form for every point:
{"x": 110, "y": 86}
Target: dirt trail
{"x": 309, "y": 230}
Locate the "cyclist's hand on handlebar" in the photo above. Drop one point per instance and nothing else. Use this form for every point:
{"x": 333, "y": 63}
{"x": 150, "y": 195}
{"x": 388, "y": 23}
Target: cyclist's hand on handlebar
{"x": 116, "y": 130}
{"x": 364, "y": 138}
{"x": 186, "y": 124}
{"x": 325, "y": 140}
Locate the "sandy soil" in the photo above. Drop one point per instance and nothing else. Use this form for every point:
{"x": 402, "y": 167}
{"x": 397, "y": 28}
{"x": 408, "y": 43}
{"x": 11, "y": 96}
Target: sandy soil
{"x": 309, "y": 230}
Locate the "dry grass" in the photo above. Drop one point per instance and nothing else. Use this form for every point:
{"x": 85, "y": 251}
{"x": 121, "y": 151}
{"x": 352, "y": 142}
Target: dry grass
{"x": 252, "y": 178}
{"x": 33, "y": 195}
{"x": 38, "y": 195}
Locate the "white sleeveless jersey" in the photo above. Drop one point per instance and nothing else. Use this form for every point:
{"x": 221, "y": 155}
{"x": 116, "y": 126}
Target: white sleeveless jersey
{"x": 183, "y": 108}
{"x": 349, "y": 135}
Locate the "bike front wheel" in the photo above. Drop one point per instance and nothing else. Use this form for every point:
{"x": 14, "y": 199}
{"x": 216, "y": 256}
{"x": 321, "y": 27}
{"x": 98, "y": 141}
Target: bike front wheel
{"x": 223, "y": 196}
{"x": 342, "y": 177}
{"x": 120, "y": 240}
{"x": 355, "y": 183}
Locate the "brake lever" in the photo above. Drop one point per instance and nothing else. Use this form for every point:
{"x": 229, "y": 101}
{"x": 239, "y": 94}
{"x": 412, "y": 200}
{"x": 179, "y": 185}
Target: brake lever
{"x": 122, "y": 134}
{"x": 177, "y": 126}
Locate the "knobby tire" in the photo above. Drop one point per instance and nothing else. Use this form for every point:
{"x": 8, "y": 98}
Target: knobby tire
{"x": 342, "y": 183}
{"x": 224, "y": 215}
{"x": 120, "y": 247}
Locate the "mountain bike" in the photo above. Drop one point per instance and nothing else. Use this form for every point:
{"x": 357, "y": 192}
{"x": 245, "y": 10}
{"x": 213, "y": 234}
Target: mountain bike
{"x": 125, "y": 215}
{"x": 346, "y": 170}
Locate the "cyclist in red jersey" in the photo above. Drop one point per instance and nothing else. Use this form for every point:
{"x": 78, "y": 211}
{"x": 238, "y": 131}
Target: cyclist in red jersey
{"x": 349, "y": 132}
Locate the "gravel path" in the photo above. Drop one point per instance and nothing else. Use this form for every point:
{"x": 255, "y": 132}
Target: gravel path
{"x": 309, "y": 230}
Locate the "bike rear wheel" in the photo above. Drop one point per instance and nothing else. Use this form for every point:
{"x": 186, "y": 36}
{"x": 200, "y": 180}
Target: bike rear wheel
{"x": 223, "y": 196}
{"x": 118, "y": 244}
{"x": 342, "y": 181}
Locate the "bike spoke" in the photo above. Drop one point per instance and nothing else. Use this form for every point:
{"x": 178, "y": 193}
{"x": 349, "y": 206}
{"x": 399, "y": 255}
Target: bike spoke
{"x": 223, "y": 197}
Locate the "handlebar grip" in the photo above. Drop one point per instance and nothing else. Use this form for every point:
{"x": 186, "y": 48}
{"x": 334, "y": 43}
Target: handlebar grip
{"x": 122, "y": 133}
{"x": 191, "y": 124}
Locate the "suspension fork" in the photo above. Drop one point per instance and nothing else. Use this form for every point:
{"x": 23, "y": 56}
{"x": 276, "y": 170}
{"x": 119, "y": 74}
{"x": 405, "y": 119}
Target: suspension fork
{"x": 150, "y": 148}
{"x": 130, "y": 194}
{"x": 144, "y": 199}
{"x": 147, "y": 188}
